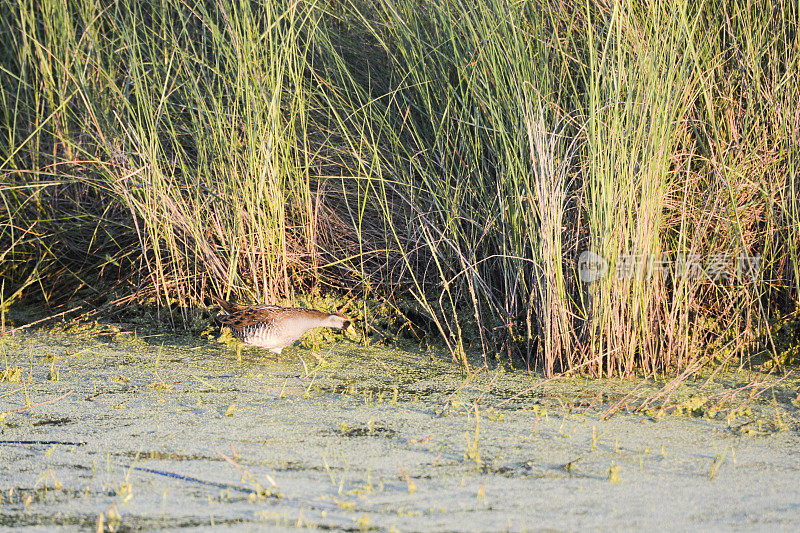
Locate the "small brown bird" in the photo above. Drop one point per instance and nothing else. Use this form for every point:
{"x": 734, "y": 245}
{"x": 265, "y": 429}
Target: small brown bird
{"x": 274, "y": 327}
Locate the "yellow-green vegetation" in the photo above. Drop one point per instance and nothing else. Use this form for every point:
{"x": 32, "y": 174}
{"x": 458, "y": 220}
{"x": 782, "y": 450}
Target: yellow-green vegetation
{"x": 613, "y": 473}
{"x": 785, "y": 334}
{"x": 450, "y": 161}
{"x": 11, "y": 374}
{"x": 716, "y": 464}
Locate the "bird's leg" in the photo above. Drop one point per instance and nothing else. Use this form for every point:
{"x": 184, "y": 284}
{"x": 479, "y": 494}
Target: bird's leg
{"x": 239, "y": 353}
{"x": 305, "y": 366}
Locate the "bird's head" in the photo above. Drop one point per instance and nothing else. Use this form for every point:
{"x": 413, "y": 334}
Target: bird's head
{"x": 338, "y": 320}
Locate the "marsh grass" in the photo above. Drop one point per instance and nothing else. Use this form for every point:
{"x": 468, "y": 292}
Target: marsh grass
{"x": 518, "y": 135}
{"x": 192, "y": 122}
{"x": 455, "y": 157}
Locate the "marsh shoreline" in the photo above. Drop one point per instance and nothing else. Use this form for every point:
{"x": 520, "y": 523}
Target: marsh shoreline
{"x": 169, "y": 432}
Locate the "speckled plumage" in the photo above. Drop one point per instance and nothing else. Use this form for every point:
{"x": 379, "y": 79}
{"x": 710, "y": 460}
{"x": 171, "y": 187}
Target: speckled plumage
{"x": 274, "y": 327}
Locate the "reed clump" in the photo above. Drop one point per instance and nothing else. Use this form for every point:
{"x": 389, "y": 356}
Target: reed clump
{"x": 598, "y": 187}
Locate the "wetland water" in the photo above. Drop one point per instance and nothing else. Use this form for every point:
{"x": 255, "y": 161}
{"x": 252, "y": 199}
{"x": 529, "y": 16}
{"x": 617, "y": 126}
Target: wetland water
{"x": 172, "y": 432}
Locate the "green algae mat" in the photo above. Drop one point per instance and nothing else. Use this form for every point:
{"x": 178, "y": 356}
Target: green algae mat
{"x": 102, "y": 428}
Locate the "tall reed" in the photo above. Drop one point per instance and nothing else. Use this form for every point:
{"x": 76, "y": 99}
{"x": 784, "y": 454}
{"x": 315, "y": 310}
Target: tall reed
{"x": 515, "y": 135}
{"x": 639, "y": 86}
{"x": 461, "y": 155}
{"x": 193, "y": 117}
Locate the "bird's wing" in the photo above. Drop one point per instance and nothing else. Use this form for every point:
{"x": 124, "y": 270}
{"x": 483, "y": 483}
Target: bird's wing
{"x": 230, "y": 307}
{"x": 250, "y": 316}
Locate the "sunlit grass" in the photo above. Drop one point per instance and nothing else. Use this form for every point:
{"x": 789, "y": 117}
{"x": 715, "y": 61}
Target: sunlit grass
{"x": 457, "y": 156}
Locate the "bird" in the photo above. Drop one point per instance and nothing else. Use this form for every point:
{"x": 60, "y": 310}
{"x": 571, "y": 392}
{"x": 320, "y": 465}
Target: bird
{"x": 274, "y": 327}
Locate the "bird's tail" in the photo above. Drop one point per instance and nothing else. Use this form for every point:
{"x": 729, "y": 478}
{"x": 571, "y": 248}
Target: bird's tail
{"x": 227, "y": 307}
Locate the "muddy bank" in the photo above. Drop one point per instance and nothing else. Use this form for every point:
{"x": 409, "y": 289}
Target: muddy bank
{"x": 171, "y": 432}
